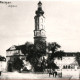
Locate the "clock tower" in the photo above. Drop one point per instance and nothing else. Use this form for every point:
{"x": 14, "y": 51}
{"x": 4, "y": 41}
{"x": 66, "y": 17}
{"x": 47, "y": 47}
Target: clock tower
{"x": 39, "y": 32}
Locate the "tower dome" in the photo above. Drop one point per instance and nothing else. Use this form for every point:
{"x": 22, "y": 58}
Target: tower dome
{"x": 39, "y": 10}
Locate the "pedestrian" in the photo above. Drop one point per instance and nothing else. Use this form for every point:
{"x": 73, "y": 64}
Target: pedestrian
{"x": 55, "y": 73}
{"x": 0, "y": 73}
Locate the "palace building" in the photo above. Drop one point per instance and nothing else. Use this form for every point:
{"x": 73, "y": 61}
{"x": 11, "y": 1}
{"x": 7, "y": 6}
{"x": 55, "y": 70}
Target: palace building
{"x": 67, "y": 65}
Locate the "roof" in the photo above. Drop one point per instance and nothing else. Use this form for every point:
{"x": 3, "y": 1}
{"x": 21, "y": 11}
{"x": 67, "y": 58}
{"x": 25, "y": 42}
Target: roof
{"x": 75, "y": 63}
{"x": 72, "y": 53}
{"x": 14, "y": 47}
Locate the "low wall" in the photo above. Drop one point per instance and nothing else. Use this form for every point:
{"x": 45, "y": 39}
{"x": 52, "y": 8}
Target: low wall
{"x": 72, "y": 73}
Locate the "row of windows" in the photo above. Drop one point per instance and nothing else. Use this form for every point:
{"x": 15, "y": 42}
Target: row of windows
{"x": 68, "y": 67}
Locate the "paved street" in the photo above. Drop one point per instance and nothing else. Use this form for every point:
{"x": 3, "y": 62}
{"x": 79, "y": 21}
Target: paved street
{"x": 16, "y": 75}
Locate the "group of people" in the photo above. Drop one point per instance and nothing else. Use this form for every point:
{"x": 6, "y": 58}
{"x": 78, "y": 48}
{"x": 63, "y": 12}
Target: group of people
{"x": 54, "y": 73}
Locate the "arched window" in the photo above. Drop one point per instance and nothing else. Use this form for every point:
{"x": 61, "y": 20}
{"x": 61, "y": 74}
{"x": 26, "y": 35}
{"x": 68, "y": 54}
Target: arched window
{"x": 69, "y": 67}
{"x": 64, "y": 67}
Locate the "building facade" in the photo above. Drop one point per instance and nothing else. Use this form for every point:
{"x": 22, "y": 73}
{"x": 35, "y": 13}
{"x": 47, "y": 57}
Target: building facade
{"x": 12, "y": 53}
{"x": 68, "y": 66}
{"x": 2, "y": 64}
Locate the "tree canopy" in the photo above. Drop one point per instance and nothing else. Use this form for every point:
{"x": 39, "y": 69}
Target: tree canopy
{"x": 35, "y": 55}
{"x": 17, "y": 64}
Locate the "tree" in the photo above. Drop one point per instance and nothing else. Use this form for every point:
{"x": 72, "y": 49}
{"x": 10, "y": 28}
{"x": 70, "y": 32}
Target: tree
{"x": 40, "y": 48}
{"x": 52, "y": 65}
{"x": 32, "y": 56}
{"x": 26, "y": 48}
{"x": 53, "y": 47}
{"x": 23, "y": 49}
{"x": 78, "y": 57}
{"x": 35, "y": 52}
{"x": 18, "y": 63}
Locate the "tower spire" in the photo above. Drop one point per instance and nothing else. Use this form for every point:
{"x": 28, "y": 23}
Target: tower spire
{"x": 39, "y": 10}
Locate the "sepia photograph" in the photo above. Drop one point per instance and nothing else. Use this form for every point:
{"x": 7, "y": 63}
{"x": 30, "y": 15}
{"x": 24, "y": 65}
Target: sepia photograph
{"x": 39, "y": 39}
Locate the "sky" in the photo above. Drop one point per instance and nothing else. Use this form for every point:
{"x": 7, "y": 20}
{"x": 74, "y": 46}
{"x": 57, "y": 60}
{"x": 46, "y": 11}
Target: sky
{"x": 62, "y": 23}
